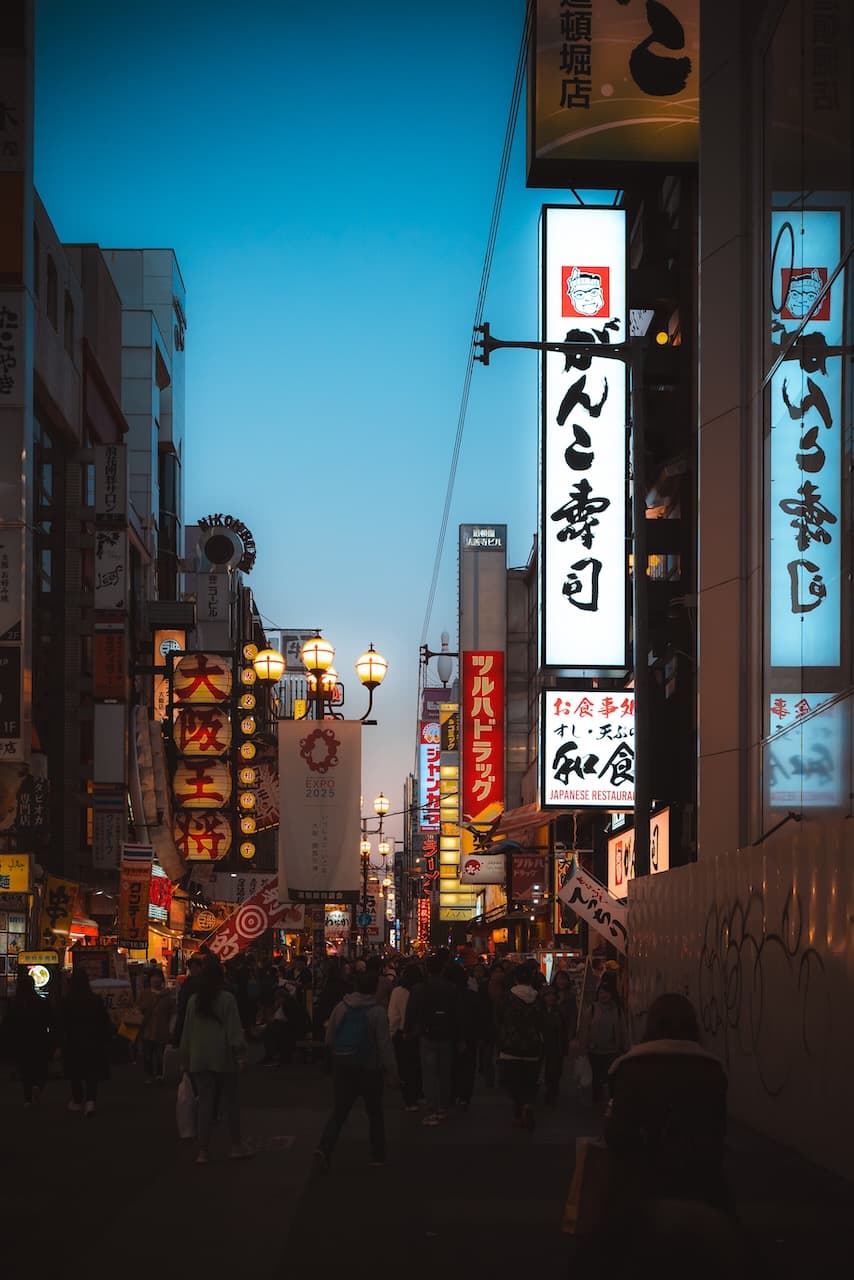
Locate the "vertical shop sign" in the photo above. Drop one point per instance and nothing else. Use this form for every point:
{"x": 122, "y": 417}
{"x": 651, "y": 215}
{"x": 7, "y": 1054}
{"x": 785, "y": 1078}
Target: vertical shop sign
{"x": 587, "y": 749}
{"x": 57, "y": 911}
{"x": 111, "y": 483}
{"x": 584, "y": 491}
{"x": 806, "y": 522}
{"x": 482, "y": 704}
{"x": 134, "y": 886}
{"x": 429, "y": 755}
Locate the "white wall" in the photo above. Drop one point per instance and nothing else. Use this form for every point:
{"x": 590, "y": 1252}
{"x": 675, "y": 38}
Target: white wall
{"x": 762, "y": 941}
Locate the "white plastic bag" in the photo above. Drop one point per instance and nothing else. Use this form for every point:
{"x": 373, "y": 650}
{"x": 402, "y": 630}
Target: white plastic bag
{"x": 583, "y": 1072}
{"x": 185, "y": 1108}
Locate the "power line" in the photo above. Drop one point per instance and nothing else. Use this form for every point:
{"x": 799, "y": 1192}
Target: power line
{"x": 481, "y": 299}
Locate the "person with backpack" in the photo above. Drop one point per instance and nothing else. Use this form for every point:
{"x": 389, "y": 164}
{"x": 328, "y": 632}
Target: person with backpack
{"x": 603, "y": 1036}
{"x": 358, "y": 1038}
{"x": 433, "y": 1015}
{"x": 520, "y": 1023}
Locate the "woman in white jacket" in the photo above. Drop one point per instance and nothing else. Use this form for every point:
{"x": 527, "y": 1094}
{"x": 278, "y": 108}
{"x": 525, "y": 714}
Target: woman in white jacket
{"x": 405, "y": 1047}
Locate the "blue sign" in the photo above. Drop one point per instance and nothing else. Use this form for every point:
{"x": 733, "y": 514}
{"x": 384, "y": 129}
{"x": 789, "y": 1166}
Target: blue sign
{"x": 363, "y": 919}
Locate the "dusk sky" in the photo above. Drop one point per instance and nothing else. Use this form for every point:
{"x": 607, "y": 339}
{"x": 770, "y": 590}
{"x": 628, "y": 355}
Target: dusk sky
{"x": 326, "y": 176}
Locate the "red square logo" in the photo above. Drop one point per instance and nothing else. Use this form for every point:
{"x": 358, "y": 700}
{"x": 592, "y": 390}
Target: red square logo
{"x": 585, "y": 292}
{"x": 801, "y": 287}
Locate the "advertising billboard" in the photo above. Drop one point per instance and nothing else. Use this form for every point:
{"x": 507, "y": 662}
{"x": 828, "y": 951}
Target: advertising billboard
{"x": 587, "y": 749}
{"x": 429, "y": 761}
{"x": 584, "y": 478}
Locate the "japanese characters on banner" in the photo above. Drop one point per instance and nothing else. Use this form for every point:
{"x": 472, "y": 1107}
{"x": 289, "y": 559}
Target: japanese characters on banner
{"x": 16, "y": 872}
{"x": 57, "y": 911}
{"x": 159, "y": 894}
{"x": 111, "y": 482}
{"x": 621, "y": 853}
{"x": 337, "y": 921}
{"x": 134, "y": 887}
{"x": 527, "y": 876}
{"x": 482, "y": 705}
{"x": 584, "y": 491}
{"x": 252, "y": 919}
{"x": 592, "y": 902}
{"x": 587, "y": 749}
{"x": 483, "y": 868}
{"x": 429, "y": 753}
{"x": 422, "y": 921}
{"x": 202, "y": 783}
{"x": 111, "y": 569}
{"x": 320, "y": 771}
{"x": 806, "y": 759}
{"x": 613, "y": 84}
{"x": 806, "y": 481}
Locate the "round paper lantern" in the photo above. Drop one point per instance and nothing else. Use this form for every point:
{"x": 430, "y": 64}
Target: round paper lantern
{"x": 202, "y": 837}
{"x": 202, "y": 731}
{"x": 202, "y": 677}
{"x": 202, "y": 784}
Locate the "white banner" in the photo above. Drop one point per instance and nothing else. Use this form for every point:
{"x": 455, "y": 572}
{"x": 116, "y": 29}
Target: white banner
{"x": 483, "y": 868}
{"x": 111, "y": 482}
{"x": 587, "y": 749}
{"x": 320, "y": 776}
{"x": 110, "y": 569}
{"x": 590, "y": 900}
{"x": 584, "y": 494}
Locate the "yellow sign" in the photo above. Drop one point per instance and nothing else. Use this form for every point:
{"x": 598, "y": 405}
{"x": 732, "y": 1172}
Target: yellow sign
{"x": 57, "y": 908}
{"x": 300, "y": 708}
{"x": 16, "y": 872}
{"x": 37, "y": 957}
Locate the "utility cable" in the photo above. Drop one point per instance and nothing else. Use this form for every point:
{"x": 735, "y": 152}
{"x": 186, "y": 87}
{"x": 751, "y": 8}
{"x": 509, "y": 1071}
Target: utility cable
{"x": 481, "y": 299}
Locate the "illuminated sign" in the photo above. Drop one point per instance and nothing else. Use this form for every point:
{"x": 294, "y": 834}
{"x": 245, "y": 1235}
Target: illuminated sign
{"x": 482, "y": 705}
{"x": 807, "y": 755}
{"x": 584, "y": 492}
{"x": 587, "y": 749}
{"x": 805, "y": 485}
{"x": 429, "y": 754}
{"x": 621, "y": 853}
{"x": 16, "y": 872}
{"x": 611, "y": 85}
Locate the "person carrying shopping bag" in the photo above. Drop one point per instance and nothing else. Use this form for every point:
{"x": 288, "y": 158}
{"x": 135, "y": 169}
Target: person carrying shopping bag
{"x": 213, "y": 1050}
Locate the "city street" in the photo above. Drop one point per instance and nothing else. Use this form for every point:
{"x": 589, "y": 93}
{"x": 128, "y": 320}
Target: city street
{"x": 119, "y": 1193}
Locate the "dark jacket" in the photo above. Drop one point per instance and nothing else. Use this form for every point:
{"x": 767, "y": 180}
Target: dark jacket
{"x": 87, "y": 1034}
{"x": 667, "y": 1121}
{"x": 27, "y": 1030}
{"x": 434, "y": 1006}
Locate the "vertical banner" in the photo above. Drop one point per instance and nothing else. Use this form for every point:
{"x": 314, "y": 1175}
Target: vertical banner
{"x": 429, "y": 753}
{"x": 482, "y": 705}
{"x": 111, "y": 483}
{"x": 134, "y": 887}
{"x": 807, "y": 515}
{"x": 320, "y": 774}
{"x": 111, "y": 565}
{"x": 583, "y": 486}
{"x": 57, "y": 910}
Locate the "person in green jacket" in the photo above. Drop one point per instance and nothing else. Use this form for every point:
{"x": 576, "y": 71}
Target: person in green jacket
{"x": 213, "y": 1050}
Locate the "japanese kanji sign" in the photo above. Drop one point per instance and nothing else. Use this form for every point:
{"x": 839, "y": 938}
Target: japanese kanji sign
{"x": 806, "y": 758}
{"x": 612, "y": 82}
{"x": 252, "y": 919}
{"x": 16, "y": 872}
{"x": 591, "y": 900}
{"x": 584, "y": 492}
{"x": 57, "y": 910}
{"x": 806, "y": 510}
{"x": 587, "y": 749}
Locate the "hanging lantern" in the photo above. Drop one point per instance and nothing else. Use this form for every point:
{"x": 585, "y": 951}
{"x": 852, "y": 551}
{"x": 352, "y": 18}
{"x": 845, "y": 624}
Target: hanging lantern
{"x": 247, "y": 800}
{"x": 248, "y": 725}
{"x": 202, "y": 837}
{"x": 202, "y": 731}
{"x": 202, "y": 784}
{"x": 247, "y": 849}
{"x": 248, "y": 676}
{"x": 248, "y": 750}
{"x": 248, "y": 776}
{"x": 201, "y": 677}
{"x": 248, "y": 825}
{"x": 247, "y": 702}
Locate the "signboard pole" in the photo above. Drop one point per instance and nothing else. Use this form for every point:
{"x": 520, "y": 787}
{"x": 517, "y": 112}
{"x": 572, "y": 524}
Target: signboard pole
{"x": 640, "y": 629}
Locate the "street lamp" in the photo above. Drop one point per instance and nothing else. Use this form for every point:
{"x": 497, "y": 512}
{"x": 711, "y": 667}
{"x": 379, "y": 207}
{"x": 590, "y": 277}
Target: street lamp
{"x": 381, "y": 808}
{"x": 269, "y": 665}
{"x": 318, "y": 656}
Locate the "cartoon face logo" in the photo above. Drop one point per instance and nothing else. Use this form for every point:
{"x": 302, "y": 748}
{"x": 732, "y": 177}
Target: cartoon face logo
{"x": 585, "y": 291}
{"x": 801, "y": 288}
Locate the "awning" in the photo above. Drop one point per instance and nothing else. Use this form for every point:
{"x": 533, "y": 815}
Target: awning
{"x": 528, "y": 817}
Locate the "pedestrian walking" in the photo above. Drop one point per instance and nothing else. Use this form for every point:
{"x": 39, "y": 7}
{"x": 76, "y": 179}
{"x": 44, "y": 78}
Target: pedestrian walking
{"x": 157, "y": 1005}
{"x": 521, "y": 1040}
{"x": 555, "y": 1045}
{"x": 406, "y": 1047}
{"x": 433, "y": 1016}
{"x": 603, "y": 1037}
{"x": 213, "y": 1050}
{"x": 358, "y": 1038}
{"x": 465, "y": 1046}
{"x": 27, "y": 1031}
{"x": 86, "y": 1037}
{"x": 187, "y": 988}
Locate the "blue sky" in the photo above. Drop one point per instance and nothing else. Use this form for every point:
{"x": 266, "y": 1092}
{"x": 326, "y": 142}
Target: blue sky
{"x": 325, "y": 175}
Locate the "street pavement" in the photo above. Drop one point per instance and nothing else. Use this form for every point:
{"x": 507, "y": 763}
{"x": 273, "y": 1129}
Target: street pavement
{"x": 118, "y": 1193}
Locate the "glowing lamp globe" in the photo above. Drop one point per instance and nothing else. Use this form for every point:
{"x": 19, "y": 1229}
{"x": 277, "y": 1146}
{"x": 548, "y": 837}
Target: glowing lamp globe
{"x": 371, "y": 668}
{"x": 269, "y": 665}
{"x": 317, "y": 655}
